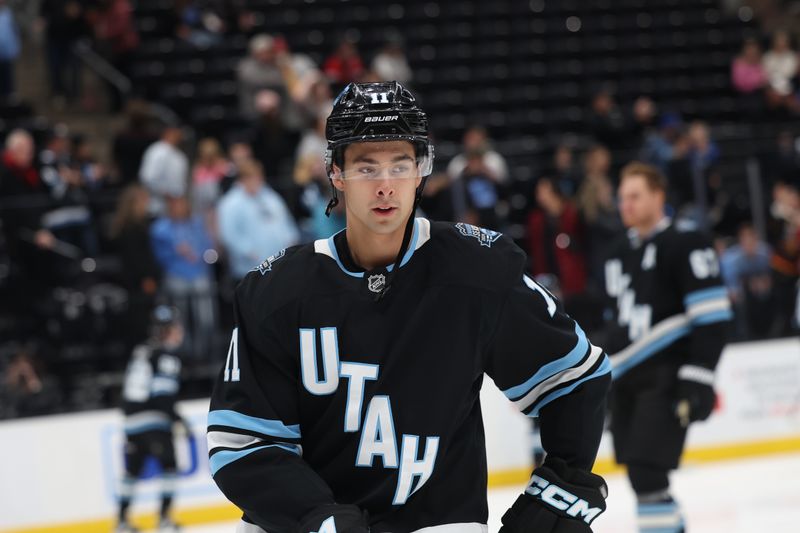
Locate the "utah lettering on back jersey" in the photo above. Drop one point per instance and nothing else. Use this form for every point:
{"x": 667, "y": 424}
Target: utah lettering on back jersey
{"x": 331, "y": 396}
{"x": 668, "y": 299}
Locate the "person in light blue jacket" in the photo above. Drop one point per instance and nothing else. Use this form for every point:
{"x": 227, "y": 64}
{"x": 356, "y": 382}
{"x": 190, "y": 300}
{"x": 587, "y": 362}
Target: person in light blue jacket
{"x": 184, "y": 250}
{"x": 254, "y": 222}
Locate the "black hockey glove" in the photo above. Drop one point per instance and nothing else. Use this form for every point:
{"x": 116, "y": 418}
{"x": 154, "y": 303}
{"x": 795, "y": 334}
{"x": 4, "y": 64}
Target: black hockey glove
{"x": 695, "y": 397}
{"x": 335, "y": 519}
{"x": 559, "y": 499}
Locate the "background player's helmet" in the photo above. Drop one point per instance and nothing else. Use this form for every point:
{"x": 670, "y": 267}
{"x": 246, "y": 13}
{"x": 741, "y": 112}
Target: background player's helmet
{"x": 370, "y": 112}
{"x": 163, "y": 318}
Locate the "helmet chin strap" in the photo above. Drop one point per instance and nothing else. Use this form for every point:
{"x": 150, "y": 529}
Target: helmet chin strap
{"x": 334, "y": 201}
{"x": 406, "y": 240}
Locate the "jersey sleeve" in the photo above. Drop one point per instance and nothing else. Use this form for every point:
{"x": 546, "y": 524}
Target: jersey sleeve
{"x": 705, "y": 299}
{"x": 166, "y": 384}
{"x": 254, "y": 435}
{"x": 544, "y": 363}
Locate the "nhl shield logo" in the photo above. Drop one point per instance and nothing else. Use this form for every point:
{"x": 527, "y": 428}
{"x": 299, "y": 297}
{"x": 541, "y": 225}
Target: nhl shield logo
{"x": 376, "y": 282}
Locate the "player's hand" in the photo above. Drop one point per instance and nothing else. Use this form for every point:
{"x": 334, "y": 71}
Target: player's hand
{"x": 560, "y": 499}
{"x": 695, "y": 397}
{"x": 335, "y": 519}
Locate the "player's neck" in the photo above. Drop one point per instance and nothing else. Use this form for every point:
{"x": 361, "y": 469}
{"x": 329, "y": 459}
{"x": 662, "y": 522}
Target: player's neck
{"x": 647, "y": 228}
{"x": 372, "y": 250}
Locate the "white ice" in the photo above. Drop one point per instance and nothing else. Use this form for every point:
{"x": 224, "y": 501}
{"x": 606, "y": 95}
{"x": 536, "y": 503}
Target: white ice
{"x": 744, "y": 496}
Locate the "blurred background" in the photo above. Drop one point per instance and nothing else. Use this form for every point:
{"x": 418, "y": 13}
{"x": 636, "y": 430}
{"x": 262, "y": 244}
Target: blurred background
{"x": 156, "y": 150}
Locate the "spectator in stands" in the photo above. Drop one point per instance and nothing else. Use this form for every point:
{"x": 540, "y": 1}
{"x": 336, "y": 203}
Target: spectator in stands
{"x": 315, "y": 101}
{"x": 93, "y": 174}
{"x": 749, "y": 77}
{"x": 131, "y": 143}
{"x": 643, "y": 118}
{"x": 273, "y": 143}
{"x": 564, "y": 171}
{"x": 70, "y": 218}
{"x": 9, "y": 49}
{"x": 27, "y": 389}
{"x": 390, "y": 64}
{"x": 703, "y": 151}
{"x": 165, "y": 168}
{"x": 344, "y": 65}
{"x": 747, "y": 275}
{"x": 65, "y": 25}
{"x": 597, "y": 206}
{"x": 476, "y": 193}
{"x": 24, "y": 199}
{"x": 210, "y": 167}
{"x": 476, "y": 140}
{"x": 310, "y": 175}
{"x": 257, "y": 72}
{"x": 780, "y": 65}
{"x": 607, "y": 123}
{"x": 556, "y": 239}
{"x": 658, "y": 144}
{"x": 784, "y": 236}
{"x": 115, "y": 30}
{"x": 199, "y": 23}
{"x": 181, "y": 244}
{"x": 781, "y": 162}
{"x": 130, "y": 229}
{"x": 254, "y": 221}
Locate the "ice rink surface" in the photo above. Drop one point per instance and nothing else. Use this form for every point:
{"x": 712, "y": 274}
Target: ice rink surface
{"x": 745, "y": 496}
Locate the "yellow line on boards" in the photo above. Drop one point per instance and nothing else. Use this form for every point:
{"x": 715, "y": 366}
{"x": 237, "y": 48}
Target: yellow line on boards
{"x": 518, "y": 476}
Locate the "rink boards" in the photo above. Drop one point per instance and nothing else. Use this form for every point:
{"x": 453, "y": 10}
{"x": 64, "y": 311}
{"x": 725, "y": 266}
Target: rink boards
{"x": 59, "y": 473}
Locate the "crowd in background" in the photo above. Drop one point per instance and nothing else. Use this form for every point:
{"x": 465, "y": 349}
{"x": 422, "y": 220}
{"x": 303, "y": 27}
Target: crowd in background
{"x": 192, "y": 216}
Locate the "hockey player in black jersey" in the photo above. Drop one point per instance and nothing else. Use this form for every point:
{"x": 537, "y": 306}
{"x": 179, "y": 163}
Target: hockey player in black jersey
{"x": 671, "y": 318}
{"x": 152, "y": 382}
{"x": 349, "y": 399}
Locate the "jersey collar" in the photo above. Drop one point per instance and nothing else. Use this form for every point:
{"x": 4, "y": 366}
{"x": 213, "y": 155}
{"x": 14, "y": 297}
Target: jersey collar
{"x": 636, "y": 240}
{"x": 420, "y": 235}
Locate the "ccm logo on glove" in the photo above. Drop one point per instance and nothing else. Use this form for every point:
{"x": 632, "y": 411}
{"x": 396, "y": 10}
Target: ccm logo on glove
{"x": 561, "y": 499}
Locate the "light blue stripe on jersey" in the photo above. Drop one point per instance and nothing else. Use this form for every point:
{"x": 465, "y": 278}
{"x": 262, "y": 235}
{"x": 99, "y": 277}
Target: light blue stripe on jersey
{"x": 656, "y": 508}
{"x": 332, "y": 246}
{"x": 678, "y": 529}
{"x": 272, "y": 428}
{"x": 723, "y": 315}
{"x": 703, "y": 295}
{"x": 649, "y": 350}
{"x": 552, "y": 368}
{"x": 605, "y": 368}
{"x": 163, "y": 385}
{"x": 225, "y": 457}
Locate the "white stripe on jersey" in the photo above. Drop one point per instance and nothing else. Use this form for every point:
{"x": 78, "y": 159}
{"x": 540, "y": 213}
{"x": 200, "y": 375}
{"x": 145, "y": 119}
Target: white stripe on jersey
{"x": 223, "y": 439}
{"x": 564, "y": 376}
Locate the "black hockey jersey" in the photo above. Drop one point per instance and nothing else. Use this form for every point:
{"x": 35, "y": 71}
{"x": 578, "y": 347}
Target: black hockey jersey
{"x": 152, "y": 383}
{"x": 329, "y": 396}
{"x": 670, "y": 304}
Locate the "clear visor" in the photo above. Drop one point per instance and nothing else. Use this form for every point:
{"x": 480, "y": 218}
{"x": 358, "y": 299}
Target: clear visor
{"x": 404, "y": 168}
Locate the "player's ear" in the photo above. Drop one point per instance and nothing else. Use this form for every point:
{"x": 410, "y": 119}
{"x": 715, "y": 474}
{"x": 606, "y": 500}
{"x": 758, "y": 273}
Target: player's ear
{"x": 336, "y": 178}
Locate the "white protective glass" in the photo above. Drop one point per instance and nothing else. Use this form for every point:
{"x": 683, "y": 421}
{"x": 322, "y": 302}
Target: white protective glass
{"x": 403, "y": 169}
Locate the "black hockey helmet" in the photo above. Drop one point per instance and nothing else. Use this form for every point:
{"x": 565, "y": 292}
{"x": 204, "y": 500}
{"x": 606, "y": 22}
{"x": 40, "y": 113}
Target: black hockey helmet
{"x": 371, "y": 112}
{"x": 162, "y": 318}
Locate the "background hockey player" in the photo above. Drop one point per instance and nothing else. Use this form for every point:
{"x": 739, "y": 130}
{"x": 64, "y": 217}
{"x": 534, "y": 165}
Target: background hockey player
{"x": 152, "y": 382}
{"x": 672, "y": 313}
{"x": 349, "y": 400}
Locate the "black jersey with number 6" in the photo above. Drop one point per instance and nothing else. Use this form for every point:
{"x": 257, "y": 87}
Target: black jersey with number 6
{"x": 331, "y": 396}
{"x": 671, "y": 306}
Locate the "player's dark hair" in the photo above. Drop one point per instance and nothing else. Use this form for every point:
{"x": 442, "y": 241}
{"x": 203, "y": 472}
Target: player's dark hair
{"x": 655, "y": 180}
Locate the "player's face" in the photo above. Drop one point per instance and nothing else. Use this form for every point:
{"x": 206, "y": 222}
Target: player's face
{"x": 639, "y": 205}
{"x": 379, "y": 181}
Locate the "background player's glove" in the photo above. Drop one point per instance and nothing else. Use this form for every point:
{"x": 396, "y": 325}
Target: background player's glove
{"x": 335, "y": 518}
{"x": 560, "y": 499}
{"x": 695, "y": 397}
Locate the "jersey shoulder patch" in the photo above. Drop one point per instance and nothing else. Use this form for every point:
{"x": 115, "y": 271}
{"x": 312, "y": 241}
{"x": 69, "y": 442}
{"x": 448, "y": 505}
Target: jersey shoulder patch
{"x": 275, "y": 281}
{"x": 485, "y": 237}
